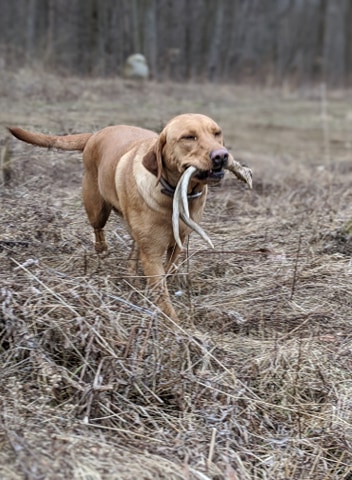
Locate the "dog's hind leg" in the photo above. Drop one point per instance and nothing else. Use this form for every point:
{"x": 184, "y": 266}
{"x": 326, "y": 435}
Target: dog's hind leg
{"x": 98, "y": 211}
{"x": 100, "y": 244}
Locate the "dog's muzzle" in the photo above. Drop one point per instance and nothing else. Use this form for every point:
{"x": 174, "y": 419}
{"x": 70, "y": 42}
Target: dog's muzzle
{"x": 219, "y": 160}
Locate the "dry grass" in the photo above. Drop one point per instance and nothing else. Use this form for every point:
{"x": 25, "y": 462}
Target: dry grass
{"x": 255, "y": 383}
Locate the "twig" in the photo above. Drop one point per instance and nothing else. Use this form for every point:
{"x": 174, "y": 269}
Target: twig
{"x": 294, "y": 280}
{"x": 211, "y": 447}
{"x": 6, "y": 163}
{"x": 10, "y": 243}
{"x": 295, "y": 389}
{"x": 325, "y": 123}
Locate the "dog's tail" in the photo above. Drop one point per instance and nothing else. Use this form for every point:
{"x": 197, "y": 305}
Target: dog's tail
{"x": 63, "y": 142}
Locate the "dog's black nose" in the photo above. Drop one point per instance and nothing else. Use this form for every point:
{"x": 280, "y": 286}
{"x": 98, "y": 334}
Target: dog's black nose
{"x": 219, "y": 157}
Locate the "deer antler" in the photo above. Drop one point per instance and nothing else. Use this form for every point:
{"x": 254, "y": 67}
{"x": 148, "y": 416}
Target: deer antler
{"x": 180, "y": 201}
{"x": 180, "y": 209}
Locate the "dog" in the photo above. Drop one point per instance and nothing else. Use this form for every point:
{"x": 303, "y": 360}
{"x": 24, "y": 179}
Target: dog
{"x": 134, "y": 172}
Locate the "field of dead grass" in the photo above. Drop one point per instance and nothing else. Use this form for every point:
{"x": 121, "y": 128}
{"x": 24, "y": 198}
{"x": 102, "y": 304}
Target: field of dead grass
{"x": 256, "y": 381}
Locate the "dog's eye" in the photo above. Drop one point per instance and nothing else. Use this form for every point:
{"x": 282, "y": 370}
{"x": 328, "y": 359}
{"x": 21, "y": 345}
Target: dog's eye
{"x": 218, "y": 133}
{"x": 189, "y": 137}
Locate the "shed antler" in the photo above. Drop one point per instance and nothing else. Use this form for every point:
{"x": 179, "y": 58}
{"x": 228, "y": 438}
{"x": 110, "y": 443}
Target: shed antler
{"x": 180, "y": 209}
{"x": 180, "y": 202}
{"x": 242, "y": 173}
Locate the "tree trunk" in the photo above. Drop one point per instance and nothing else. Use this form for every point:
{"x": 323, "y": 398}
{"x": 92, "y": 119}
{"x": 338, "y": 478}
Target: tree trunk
{"x": 216, "y": 30}
{"x": 334, "y": 42}
{"x": 31, "y": 27}
{"x": 150, "y": 36}
{"x": 135, "y": 27}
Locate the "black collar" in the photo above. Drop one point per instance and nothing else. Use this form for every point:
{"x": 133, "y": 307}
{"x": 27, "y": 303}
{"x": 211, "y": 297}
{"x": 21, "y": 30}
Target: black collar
{"x": 170, "y": 190}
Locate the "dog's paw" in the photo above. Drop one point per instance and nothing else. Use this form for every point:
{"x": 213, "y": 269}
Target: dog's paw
{"x": 101, "y": 247}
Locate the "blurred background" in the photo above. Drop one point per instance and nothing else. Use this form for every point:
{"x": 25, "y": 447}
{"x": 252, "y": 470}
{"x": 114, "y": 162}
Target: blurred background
{"x": 264, "y": 41}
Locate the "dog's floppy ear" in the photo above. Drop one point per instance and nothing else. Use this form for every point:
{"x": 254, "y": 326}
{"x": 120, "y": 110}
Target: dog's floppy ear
{"x": 153, "y": 160}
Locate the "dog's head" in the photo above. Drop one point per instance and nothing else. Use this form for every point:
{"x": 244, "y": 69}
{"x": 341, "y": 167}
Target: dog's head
{"x": 190, "y": 140}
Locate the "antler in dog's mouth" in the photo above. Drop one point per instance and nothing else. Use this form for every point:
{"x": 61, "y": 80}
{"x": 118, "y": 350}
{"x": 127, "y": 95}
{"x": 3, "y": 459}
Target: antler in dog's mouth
{"x": 242, "y": 172}
{"x": 210, "y": 176}
{"x": 180, "y": 209}
{"x": 180, "y": 201}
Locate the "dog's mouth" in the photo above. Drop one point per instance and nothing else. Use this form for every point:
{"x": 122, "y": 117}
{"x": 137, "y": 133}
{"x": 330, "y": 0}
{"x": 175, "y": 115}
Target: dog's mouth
{"x": 214, "y": 175}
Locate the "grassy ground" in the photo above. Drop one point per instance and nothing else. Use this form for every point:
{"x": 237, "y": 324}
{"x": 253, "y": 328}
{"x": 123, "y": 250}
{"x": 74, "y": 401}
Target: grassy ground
{"x": 256, "y": 382}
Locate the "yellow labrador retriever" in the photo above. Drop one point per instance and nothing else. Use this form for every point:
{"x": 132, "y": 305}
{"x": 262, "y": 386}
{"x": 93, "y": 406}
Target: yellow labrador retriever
{"x": 136, "y": 173}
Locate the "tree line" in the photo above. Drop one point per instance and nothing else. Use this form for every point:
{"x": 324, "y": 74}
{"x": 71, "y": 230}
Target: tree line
{"x": 212, "y": 40}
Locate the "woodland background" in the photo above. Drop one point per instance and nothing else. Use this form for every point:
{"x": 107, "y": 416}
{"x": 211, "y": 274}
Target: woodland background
{"x": 255, "y": 381}
{"x": 214, "y": 40}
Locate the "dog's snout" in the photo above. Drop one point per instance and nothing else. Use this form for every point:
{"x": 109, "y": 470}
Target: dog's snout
{"x": 219, "y": 157}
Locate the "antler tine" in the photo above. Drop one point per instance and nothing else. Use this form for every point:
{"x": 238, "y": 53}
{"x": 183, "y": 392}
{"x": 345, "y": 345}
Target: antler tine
{"x": 180, "y": 209}
{"x": 194, "y": 226}
{"x": 180, "y": 203}
{"x": 176, "y": 220}
{"x": 241, "y": 172}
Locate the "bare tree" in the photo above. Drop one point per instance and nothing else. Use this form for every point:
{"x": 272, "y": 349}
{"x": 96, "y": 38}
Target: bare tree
{"x": 216, "y": 30}
{"x": 32, "y": 12}
{"x": 232, "y": 40}
{"x": 335, "y": 41}
{"x": 150, "y": 35}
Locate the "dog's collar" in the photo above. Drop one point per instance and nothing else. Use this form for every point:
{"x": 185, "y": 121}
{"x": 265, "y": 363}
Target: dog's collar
{"x": 169, "y": 190}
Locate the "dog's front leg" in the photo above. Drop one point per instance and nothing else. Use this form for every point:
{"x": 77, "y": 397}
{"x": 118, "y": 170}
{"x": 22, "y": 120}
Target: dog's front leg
{"x": 172, "y": 254}
{"x": 156, "y": 278}
{"x": 132, "y": 262}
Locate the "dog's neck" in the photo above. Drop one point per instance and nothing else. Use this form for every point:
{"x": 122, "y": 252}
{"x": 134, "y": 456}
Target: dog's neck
{"x": 169, "y": 190}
